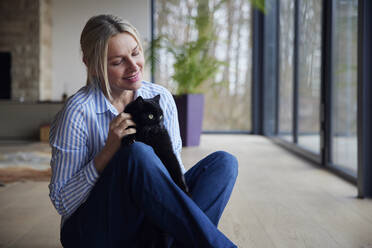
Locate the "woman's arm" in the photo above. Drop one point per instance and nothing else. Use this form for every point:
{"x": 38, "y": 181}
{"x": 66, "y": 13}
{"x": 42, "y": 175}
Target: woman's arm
{"x": 74, "y": 171}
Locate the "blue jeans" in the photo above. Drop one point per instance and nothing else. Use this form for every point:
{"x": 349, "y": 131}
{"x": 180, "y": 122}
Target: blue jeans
{"x": 135, "y": 186}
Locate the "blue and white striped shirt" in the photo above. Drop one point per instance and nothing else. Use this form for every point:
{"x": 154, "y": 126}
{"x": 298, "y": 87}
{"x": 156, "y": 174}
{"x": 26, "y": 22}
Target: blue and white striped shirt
{"x": 79, "y": 132}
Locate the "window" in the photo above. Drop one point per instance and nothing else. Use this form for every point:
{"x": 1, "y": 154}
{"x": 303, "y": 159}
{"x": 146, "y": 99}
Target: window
{"x": 286, "y": 49}
{"x": 309, "y": 74}
{"x": 344, "y": 84}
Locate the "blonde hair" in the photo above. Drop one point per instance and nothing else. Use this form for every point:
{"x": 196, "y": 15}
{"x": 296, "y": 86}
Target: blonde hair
{"x": 94, "y": 44}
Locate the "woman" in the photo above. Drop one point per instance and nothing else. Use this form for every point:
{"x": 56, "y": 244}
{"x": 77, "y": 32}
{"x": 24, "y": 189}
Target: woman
{"x": 104, "y": 191}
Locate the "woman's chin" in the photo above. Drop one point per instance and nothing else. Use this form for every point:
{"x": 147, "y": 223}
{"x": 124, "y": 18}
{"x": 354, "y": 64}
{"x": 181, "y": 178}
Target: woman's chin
{"x": 133, "y": 85}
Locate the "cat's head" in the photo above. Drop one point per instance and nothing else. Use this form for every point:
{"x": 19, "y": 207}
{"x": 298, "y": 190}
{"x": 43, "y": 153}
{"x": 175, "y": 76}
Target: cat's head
{"x": 145, "y": 112}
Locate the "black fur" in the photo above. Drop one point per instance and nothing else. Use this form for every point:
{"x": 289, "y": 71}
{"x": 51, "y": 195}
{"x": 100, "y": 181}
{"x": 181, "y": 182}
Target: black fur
{"x": 148, "y": 116}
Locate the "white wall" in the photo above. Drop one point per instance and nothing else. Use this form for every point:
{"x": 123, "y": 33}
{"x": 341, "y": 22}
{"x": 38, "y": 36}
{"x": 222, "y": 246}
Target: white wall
{"x": 69, "y": 18}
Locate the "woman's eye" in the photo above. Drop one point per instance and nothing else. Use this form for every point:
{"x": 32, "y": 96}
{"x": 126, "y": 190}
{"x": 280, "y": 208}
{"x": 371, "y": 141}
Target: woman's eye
{"x": 135, "y": 53}
{"x": 116, "y": 63}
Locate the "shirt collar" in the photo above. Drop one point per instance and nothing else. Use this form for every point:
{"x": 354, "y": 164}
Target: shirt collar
{"x": 137, "y": 93}
{"x": 102, "y": 103}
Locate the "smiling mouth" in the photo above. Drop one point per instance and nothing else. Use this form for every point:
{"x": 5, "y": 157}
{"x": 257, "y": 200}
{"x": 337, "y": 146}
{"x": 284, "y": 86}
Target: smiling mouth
{"x": 133, "y": 78}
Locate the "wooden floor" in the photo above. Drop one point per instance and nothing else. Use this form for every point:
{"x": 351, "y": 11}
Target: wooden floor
{"x": 279, "y": 201}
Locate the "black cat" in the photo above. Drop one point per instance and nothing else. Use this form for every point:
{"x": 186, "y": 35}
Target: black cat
{"x": 148, "y": 116}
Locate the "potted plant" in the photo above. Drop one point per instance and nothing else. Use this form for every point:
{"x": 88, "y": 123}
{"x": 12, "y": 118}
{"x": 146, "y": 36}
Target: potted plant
{"x": 194, "y": 65}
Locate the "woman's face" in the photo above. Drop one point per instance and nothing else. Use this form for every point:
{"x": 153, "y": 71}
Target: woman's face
{"x": 125, "y": 63}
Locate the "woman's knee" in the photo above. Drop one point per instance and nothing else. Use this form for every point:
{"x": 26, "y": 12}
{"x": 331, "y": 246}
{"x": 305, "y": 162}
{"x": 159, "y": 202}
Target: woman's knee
{"x": 228, "y": 163}
{"x": 127, "y": 156}
{"x": 139, "y": 149}
{"x": 142, "y": 156}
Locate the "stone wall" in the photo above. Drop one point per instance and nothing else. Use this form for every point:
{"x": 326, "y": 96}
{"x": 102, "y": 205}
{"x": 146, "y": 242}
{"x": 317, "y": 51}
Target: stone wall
{"x": 24, "y": 33}
{"x": 45, "y": 86}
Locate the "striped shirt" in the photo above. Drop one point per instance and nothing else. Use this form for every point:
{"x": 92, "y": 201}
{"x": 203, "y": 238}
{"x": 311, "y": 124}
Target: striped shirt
{"x": 79, "y": 132}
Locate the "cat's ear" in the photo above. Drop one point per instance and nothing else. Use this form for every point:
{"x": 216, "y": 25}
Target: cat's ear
{"x": 133, "y": 106}
{"x": 139, "y": 99}
{"x": 157, "y": 98}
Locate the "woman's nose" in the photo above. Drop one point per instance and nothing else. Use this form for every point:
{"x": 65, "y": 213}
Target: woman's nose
{"x": 132, "y": 65}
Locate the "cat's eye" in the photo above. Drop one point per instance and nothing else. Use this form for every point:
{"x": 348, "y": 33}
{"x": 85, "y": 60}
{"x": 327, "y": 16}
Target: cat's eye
{"x": 151, "y": 116}
{"x": 160, "y": 117}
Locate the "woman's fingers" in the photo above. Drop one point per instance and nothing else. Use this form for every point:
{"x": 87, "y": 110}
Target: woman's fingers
{"x": 123, "y": 125}
{"x": 120, "y": 126}
{"x": 129, "y": 131}
{"x": 120, "y": 118}
{"x": 128, "y": 123}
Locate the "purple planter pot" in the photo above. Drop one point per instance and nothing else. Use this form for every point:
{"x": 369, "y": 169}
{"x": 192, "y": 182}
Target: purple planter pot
{"x": 190, "y": 117}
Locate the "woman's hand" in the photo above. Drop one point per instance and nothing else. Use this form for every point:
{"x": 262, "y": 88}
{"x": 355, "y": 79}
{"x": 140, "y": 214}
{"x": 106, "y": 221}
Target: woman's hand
{"x": 122, "y": 125}
{"x": 119, "y": 127}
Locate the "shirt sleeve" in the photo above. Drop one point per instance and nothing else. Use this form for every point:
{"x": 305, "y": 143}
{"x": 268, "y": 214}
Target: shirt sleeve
{"x": 73, "y": 174}
{"x": 172, "y": 125}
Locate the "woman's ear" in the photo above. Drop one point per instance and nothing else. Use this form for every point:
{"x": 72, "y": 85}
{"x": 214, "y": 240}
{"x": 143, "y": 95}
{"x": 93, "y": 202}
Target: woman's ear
{"x": 89, "y": 70}
{"x": 85, "y": 61}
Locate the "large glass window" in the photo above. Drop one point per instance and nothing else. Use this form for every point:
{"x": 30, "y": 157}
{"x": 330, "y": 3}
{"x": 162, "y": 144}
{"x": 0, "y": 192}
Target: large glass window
{"x": 309, "y": 74}
{"x": 286, "y": 41}
{"x": 344, "y": 83}
{"x": 228, "y": 94}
